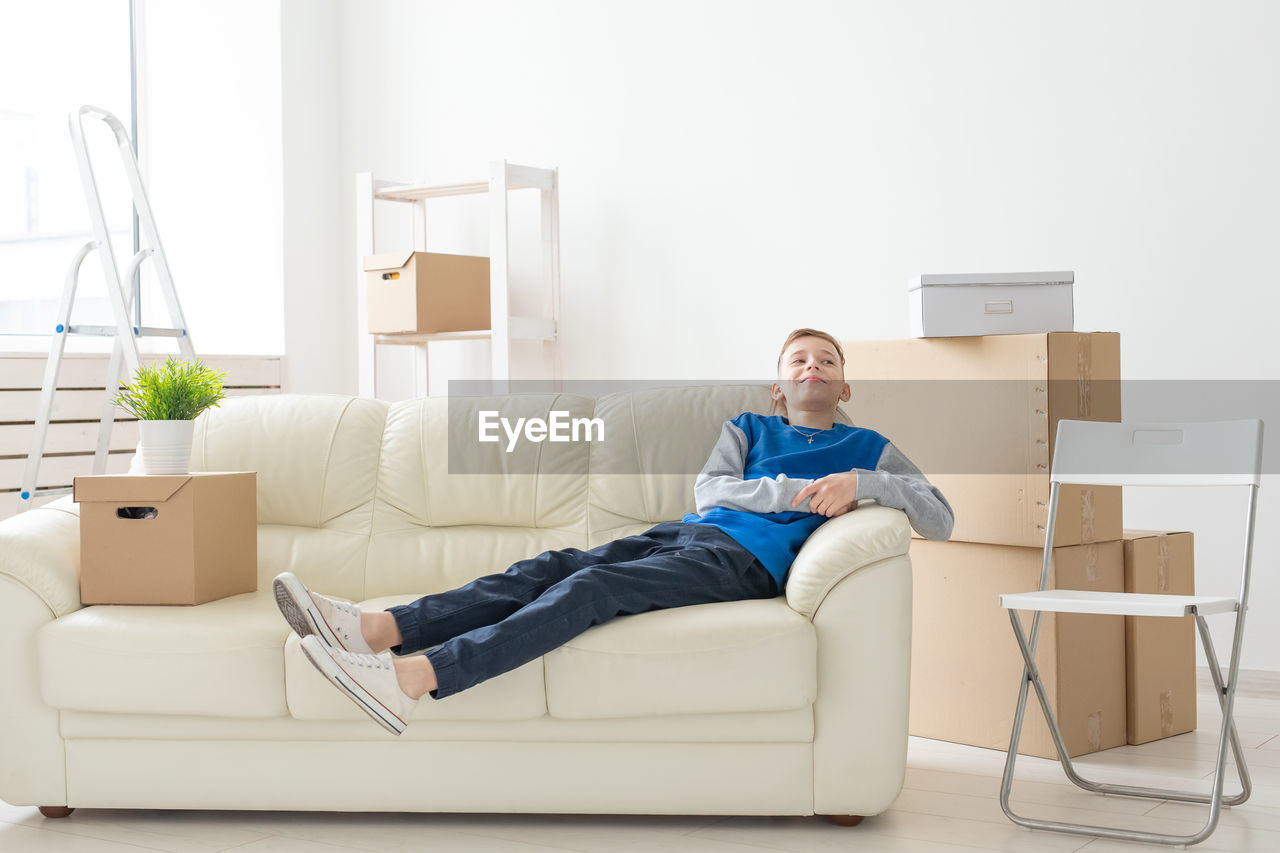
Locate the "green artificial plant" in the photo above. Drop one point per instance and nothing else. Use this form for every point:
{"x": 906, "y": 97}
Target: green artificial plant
{"x": 173, "y": 391}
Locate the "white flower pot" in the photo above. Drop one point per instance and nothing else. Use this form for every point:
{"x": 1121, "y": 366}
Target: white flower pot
{"x": 166, "y": 446}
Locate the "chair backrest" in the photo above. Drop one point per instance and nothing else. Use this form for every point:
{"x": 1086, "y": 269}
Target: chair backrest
{"x": 1206, "y": 453}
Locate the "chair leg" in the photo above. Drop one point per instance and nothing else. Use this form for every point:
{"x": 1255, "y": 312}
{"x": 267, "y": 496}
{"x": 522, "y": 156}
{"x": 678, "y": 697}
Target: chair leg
{"x": 1095, "y": 787}
{"x": 55, "y": 811}
{"x": 1211, "y": 654}
{"x": 845, "y": 819}
{"x": 1215, "y": 800}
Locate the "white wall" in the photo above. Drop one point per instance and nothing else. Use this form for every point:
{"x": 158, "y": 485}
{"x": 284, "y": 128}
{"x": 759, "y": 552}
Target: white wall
{"x": 317, "y": 215}
{"x": 209, "y": 109}
{"x": 731, "y": 170}
{"x": 774, "y": 165}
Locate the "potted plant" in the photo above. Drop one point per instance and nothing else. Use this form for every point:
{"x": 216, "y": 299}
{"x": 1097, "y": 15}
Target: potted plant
{"x": 166, "y": 398}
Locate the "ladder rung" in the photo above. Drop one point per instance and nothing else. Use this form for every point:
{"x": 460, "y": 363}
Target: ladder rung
{"x": 39, "y": 493}
{"x": 154, "y": 332}
{"x": 100, "y": 331}
{"x": 138, "y": 331}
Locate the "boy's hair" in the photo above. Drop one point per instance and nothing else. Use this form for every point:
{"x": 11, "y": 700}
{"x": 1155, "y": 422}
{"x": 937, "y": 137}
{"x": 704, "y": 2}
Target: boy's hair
{"x": 781, "y": 405}
{"x": 810, "y": 333}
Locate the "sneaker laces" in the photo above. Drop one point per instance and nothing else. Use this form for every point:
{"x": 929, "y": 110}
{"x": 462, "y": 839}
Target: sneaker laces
{"x": 381, "y": 662}
{"x": 341, "y": 606}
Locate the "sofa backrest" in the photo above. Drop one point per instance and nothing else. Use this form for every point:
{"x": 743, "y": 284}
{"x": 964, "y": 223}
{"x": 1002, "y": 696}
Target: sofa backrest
{"x": 434, "y": 530}
{"x": 658, "y": 441}
{"x": 316, "y": 456}
{"x": 356, "y": 495}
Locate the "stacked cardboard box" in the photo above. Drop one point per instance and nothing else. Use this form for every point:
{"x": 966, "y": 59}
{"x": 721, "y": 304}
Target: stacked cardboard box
{"x": 979, "y": 415}
{"x": 966, "y": 667}
{"x": 1160, "y": 653}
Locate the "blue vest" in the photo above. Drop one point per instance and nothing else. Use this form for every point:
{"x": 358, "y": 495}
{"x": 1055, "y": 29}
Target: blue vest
{"x": 773, "y": 448}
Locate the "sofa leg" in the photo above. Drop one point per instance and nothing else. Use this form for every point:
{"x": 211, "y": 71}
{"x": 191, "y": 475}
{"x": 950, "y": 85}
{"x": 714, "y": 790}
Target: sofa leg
{"x": 55, "y": 811}
{"x": 845, "y": 819}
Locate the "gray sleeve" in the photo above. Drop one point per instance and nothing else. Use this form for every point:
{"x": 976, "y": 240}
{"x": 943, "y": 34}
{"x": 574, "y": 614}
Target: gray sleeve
{"x": 720, "y": 483}
{"x": 898, "y": 483}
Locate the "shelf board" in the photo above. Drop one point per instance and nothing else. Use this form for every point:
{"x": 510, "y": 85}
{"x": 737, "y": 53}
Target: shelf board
{"x": 522, "y": 329}
{"x": 414, "y": 338}
{"x": 414, "y": 192}
{"x": 518, "y": 178}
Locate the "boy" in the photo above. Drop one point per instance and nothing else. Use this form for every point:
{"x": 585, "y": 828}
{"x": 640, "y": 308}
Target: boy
{"x": 769, "y": 483}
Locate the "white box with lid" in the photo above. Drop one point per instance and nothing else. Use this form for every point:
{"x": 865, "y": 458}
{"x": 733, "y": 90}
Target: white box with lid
{"x": 970, "y": 304}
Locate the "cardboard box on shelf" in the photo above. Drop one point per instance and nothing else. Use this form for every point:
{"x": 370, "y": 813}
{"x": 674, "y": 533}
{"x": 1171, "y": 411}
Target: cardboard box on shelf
{"x": 427, "y": 293}
{"x": 990, "y": 304}
{"x": 199, "y": 544}
{"x": 979, "y": 417}
{"x": 1160, "y": 653}
{"x": 965, "y": 665}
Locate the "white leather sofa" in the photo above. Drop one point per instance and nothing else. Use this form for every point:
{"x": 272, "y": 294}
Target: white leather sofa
{"x": 791, "y": 706}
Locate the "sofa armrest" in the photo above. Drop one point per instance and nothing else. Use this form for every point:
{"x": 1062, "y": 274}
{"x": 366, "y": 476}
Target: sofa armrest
{"x": 40, "y": 550}
{"x": 839, "y": 548}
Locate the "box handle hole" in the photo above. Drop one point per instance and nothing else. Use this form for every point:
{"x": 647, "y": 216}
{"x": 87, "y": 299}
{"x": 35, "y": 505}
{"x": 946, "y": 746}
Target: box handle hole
{"x": 388, "y": 276}
{"x": 137, "y": 512}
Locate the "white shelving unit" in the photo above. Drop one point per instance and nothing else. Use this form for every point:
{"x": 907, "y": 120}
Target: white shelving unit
{"x": 504, "y": 328}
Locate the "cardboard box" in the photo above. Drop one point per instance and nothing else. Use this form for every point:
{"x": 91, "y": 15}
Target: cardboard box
{"x": 979, "y": 417}
{"x": 201, "y": 544}
{"x": 943, "y": 306}
{"x": 1160, "y": 653}
{"x": 427, "y": 292}
{"x": 965, "y": 665}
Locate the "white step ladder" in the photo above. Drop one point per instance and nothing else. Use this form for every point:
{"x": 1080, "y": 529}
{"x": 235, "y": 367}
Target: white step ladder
{"x": 124, "y": 331}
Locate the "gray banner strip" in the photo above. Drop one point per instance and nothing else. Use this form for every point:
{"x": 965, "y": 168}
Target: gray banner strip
{"x": 999, "y": 427}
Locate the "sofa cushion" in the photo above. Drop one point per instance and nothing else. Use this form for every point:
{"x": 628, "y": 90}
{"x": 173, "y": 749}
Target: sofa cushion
{"x": 316, "y": 456}
{"x": 220, "y": 659}
{"x": 657, "y": 440}
{"x": 422, "y": 560}
{"x": 515, "y": 695}
{"x": 731, "y": 656}
{"x": 436, "y": 473}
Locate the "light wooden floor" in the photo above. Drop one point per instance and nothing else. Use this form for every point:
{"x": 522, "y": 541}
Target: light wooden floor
{"x": 949, "y": 803}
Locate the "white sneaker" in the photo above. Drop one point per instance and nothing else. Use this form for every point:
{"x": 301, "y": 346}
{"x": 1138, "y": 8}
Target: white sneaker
{"x": 368, "y": 680}
{"x": 335, "y": 621}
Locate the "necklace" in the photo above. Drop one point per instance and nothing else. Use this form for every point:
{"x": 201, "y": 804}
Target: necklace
{"x": 807, "y": 435}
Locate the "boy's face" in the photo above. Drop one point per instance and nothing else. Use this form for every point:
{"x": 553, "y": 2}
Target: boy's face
{"x": 810, "y": 376}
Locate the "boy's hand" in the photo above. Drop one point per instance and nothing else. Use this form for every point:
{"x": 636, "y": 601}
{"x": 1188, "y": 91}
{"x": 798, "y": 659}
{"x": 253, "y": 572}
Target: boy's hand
{"x": 832, "y": 495}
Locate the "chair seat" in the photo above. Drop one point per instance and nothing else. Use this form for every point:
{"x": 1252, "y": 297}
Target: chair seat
{"x": 1116, "y": 603}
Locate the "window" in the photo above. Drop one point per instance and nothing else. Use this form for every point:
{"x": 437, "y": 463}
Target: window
{"x": 55, "y": 56}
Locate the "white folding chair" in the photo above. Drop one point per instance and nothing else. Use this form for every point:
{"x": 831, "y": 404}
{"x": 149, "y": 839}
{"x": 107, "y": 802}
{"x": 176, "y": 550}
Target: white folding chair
{"x": 1216, "y": 453}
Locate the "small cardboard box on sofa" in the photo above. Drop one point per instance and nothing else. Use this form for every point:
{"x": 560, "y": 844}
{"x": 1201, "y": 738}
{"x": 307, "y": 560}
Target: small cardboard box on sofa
{"x": 168, "y": 539}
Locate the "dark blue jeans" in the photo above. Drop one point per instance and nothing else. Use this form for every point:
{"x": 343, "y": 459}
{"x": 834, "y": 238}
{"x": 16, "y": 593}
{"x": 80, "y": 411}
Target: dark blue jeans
{"x": 499, "y": 622}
